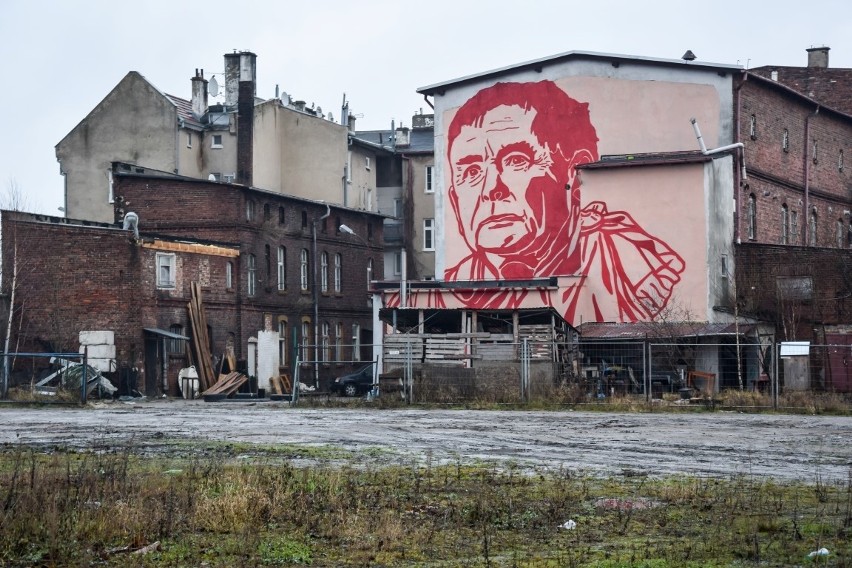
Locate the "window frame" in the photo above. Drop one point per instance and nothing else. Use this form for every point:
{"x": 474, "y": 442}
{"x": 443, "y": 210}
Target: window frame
{"x": 785, "y": 224}
{"x": 229, "y": 275}
{"x": 171, "y": 264}
{"x": 428, "y": 234}
{"x": 282, "y": 268}
{"x": 282, "y": 341}
{"x": 752, "y": 129}
{"x": 251, "y": 275}
{"x": 324, "y": 272}
{"x": 751, "y": 219}
{"x": 338, "y": 273}
{"x": 214, "y": 144}
{"x": 304, "y": 265}
{"x": 429, "y": 186}
{"x": 785, "y": 140}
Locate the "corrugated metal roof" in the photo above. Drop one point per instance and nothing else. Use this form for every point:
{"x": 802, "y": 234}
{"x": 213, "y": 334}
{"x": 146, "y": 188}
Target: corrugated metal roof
{"x": 649, "y": 159}
{"x": 421, "y": 140}
{"x": 643, "y": 330}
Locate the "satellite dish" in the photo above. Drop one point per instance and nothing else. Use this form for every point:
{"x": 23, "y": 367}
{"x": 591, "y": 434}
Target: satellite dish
{"x": 285, "y": 98}
{"x": 211, "y": 177}
{"x": 213, "y": 86}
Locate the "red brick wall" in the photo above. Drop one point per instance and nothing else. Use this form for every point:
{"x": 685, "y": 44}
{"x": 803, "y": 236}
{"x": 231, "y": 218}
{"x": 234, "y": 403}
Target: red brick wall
{"x": 777, "y": 177}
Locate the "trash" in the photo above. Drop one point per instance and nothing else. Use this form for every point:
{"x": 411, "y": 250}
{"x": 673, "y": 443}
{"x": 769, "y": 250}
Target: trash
{"x": 153, "y": 547}
{"x": 306, "y": 388}
{"x": 568, "y": 525}
{"x": 70, "y": 375}
{"x": 820, "y": 552}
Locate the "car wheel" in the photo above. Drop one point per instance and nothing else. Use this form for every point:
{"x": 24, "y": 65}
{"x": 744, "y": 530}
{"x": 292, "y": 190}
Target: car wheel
{"x": 350, "y": 389}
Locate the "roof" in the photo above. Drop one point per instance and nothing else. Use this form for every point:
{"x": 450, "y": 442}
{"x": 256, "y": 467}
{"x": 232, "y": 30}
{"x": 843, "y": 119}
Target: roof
{"x": 649, "y": 159}
{"x": 748, "y": 75}
{"x": 658, "y": 330}
{"x": 184, "y": 109}
{"x": 420, "y": 140}
{"x": 538, "y": 64}
{"x": 831, "y": 87}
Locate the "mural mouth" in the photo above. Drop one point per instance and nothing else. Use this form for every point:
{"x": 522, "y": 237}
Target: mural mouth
{"x": 500, "y": 221}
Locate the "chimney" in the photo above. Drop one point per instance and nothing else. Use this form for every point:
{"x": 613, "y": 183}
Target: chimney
{"x": 232, "y": 79}
{"x": 402, "y": 136}
{"x": 818, "y": 57}
{"x": 351, "y": 122}
{"x": 199, "y": 94}
{"x": 422, "y": 121}
{"x": 246, "y": 91}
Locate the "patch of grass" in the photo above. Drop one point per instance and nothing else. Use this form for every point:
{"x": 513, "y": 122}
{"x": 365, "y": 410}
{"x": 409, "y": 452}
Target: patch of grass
{"x": 97, "y": 508}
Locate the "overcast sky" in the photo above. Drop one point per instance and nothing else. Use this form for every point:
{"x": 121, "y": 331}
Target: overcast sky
{"x": 63, "y": 57}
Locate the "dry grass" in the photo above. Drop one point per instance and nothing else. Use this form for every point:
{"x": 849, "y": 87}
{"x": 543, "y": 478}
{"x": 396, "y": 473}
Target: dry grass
{"x": 85, "y": 509}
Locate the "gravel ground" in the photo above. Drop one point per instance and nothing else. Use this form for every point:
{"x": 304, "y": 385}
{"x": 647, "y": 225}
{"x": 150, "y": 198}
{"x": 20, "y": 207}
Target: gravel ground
{"x": 784, "y": 447}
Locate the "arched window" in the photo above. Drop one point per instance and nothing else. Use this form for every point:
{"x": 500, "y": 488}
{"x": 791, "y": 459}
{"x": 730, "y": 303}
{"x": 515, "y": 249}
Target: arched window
{"x": 282, "y": 268}
{"x": 752, "y": 217}
{"x": 370, "y": 276}
{"x": 338, "y": 272}
{"x": 282, "y": 341}
{"x": 785, "y": 224}
{"x": 338, "y": 342}
{"x": 303, "y": 270}
{"x": 306, "y": 340}
{"x": 252, "y": 275}
{"x": 324, "y": 272}
{"x": 326, "y": 342}
{"x": 812, "y": 226}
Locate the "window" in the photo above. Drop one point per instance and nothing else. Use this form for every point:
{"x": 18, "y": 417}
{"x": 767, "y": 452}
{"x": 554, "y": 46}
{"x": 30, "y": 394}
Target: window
{"x": 229, "y": 178}
{"x": 369, "y": 271}
{"x": 282, "y": 341}
{"x": 397, "y": 208}
{"x": 397, "y": 263}
{"x": 324, "y": 272}
{"x": 369, "y": 231}
{"x": 281, "y": 216}
{"x": 840, "y": 162}
{"x": 338, "y": 342}
{"x": 367, "y": 163}
{"x": 189, "y": 139}
{"x": 812, "y": 228}
{"x": 428, "y": 234}
{"x": 249, "y": 210}
{"x": 304, "y": 220}
{"x": 325, "y": 352}
{"x": 430, "y": 187}
{"x": 282, "y": 268}
{"x": 356, "y": 342}
{"x": 165, "y": 270}
{"x": 229, "y": 275}
{"x": 785, "y": 224}
{"x": 723, "y": 266}
{"x": 267, "y": 256}
{"x": 338, "y": 272}
{"x": 216, "y": 141}
{"x": 266, "y": 213}
{"x": 785, "y": 141}
{"x": 303, "y": 270}
{"x": 752, "y": 216}
{"x": 110, "y": 194}
{"x": 841, "y": 233}
{"x": 794, "y": 227}
{"x": 175, "y": 345}
{"x": 306, "y": 340}
{"x": 752, "y": 128}
{"x": 814, "y": 153}
{"x": 251, "y": 262}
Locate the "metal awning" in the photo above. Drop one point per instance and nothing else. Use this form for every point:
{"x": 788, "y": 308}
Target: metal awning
{"x": 164, "y": 333}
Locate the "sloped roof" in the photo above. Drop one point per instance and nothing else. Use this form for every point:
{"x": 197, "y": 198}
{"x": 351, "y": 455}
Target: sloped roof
{"x": 827, "y": 86}
{"x": 184, "y": 109}
{"x": 648, "y": 159}
{"x": 421, "y": 140}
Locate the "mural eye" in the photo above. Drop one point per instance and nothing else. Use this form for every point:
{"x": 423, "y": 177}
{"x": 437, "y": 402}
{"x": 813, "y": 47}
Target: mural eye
{"x": 517, "y": 161}
{"x": 471, "y": 172}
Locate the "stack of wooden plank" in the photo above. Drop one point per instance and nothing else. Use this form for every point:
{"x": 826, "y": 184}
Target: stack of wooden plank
{"x": 227, "y": 384}
{"x": 200, "y": 340}
{"x": 280, "y": 384}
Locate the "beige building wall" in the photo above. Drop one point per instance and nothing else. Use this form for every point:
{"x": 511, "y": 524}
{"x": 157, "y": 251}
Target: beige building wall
{"x": 189, "y": 152}
{"x": 299, "y": 154}
{"x": 136, "y": 124}
{"x": 423, "y": 207}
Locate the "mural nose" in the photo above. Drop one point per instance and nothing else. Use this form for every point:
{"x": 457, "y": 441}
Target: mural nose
{"x": 499, "y": 191}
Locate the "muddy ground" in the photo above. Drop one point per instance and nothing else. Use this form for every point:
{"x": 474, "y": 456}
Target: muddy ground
{"x": 784, "y": 447}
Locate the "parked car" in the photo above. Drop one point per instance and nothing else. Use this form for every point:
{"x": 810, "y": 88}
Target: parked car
{"x": 359, "y": 382}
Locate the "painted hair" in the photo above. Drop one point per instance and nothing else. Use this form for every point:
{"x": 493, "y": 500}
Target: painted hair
{"x": 561, "y": 123}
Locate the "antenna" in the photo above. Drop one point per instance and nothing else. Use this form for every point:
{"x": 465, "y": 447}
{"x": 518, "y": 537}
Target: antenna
{"x": 213, "y": 87}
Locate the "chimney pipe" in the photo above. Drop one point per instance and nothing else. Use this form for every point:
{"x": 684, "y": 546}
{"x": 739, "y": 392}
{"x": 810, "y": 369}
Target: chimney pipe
{"x": 199, "y": 94}
{"x": 247, "y": 89}
{"x": 818, "y": 57}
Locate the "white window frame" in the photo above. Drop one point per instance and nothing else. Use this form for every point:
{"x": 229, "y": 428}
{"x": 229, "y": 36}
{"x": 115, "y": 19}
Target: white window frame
{"x": 168, "y": 261}
{"x": 338, "y": 273}
{"x": 282, "y": 268}
{"x": 324, "y": 272}
{"x": 397, "y": 263}
{"x": 752, "y": 129}
{"x": 213, "y": 143}
{"x": 282, "y": 342}
{"x": 325, "y": 352}
{"x": 428, "y": 234}
{"x": 189, "y": 139}
{"x": 303, "y": 270}
{"x": 229, "y": 275}
{"x": 251, "y": 265}
{"x": 306, "y": 340}
{"x": 785, "y": 141}
{"x": 110, "y": 194}
{"x": 356, "y": 342}
{"x": 367, "y": 163}
{"x": 430, "y": 179}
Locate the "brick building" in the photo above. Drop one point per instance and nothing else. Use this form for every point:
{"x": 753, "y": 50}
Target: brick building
{"x": 794, "y": 227}
{"x": 259, "y": 256}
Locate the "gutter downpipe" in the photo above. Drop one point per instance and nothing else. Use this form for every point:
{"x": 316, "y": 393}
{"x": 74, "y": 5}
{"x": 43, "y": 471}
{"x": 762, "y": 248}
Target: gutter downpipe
{"x": 738, "y": 180}
{"x": 806, "y": 222}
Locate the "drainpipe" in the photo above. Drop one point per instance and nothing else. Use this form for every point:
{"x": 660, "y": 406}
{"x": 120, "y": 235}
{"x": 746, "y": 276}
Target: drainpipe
{"x": 738, "y": 180}
{"x": 315, "y": 294}
{"x": 806, "y": 222}
{"x": 707, "y": 152}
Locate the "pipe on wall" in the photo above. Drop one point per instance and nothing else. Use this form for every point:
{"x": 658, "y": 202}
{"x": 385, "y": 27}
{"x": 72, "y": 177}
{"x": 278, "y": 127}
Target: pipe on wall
{"x": 806, "y": 222}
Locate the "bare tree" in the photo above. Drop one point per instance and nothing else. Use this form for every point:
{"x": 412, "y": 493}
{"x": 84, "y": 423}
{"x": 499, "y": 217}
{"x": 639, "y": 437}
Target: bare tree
{"x": 13, "y": 197}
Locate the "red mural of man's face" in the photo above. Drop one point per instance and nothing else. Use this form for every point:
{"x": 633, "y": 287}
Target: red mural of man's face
{"x": 503, "y": 180}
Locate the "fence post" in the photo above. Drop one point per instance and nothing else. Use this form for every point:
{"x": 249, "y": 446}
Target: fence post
{"x": 525, "y": 369}
{"x": 775, "y": 382}
{"x": 84, "y": 377}
{"x": 647, "y": 382}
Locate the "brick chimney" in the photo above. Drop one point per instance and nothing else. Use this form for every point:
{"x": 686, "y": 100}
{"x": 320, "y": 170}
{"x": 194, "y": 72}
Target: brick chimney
{"x": 818, "y": 57}
{"x": 199, "y": 94}
{"x": 246, "y": 91}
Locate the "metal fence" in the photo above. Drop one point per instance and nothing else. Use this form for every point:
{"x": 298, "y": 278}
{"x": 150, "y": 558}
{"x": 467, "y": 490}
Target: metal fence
{"x": 49, "y": 377}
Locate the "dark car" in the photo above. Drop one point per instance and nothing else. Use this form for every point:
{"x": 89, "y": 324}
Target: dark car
{"x": 359, "y": 382}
